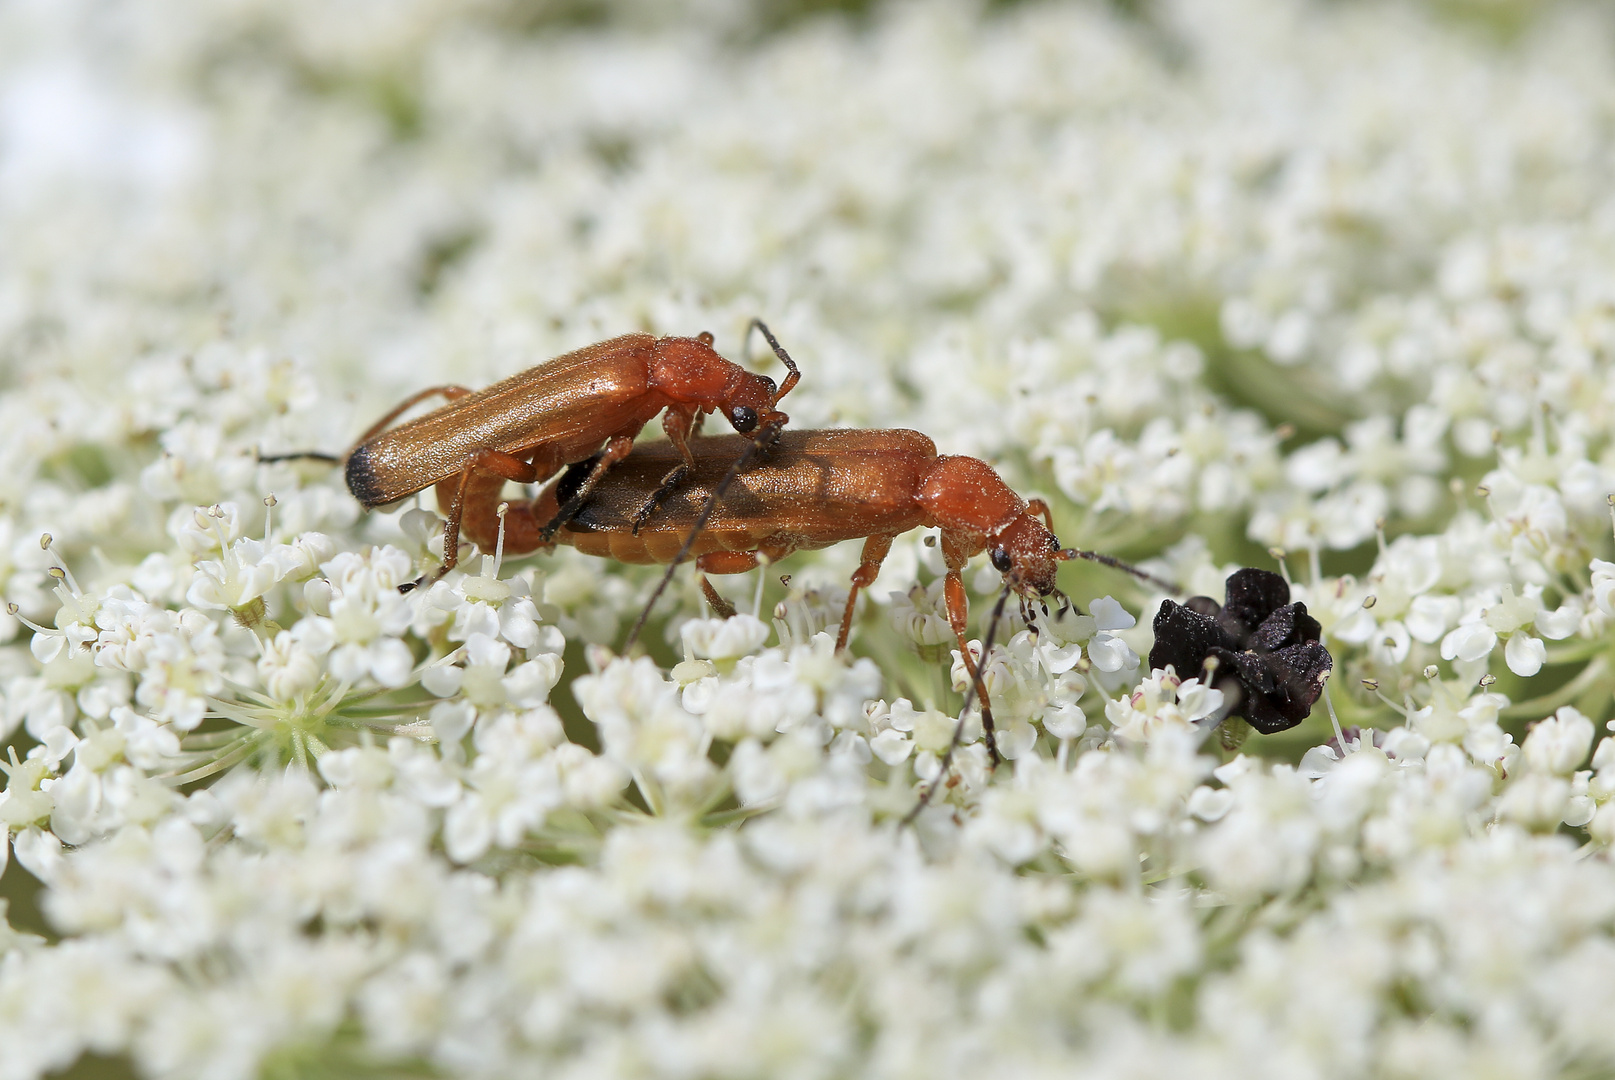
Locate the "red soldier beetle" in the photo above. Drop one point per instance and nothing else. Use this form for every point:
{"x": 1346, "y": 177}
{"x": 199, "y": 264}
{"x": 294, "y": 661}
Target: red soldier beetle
{"x": 811, "y": 489}
{"x": 530, "y": 425}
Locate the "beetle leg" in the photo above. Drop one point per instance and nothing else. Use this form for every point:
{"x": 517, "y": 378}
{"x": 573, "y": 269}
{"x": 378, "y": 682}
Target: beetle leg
{"x": 449, "y": 393}
{"x": 674, "y": 477}
{"x": 679, "y": 422}
{"x": 617, "y": 448}
{"x": 1039, "y": 508}
{"x": 723, "y": 562}
{"x": 721, "y": 607}
{"x": 956, "y": 552}
{"x": 875, "y": 549}
{"x": 474, "y": 504}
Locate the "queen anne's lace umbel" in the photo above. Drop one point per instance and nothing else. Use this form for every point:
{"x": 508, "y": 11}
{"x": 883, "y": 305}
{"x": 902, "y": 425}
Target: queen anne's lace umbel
{"x": 1214, "y": 279}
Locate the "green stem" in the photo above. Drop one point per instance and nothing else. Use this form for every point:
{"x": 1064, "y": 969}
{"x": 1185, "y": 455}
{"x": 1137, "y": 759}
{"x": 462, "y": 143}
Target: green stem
{"x": 1547, "y": 703}
{"x": 230, "y": 757}
{"x": 1574, "y": 652}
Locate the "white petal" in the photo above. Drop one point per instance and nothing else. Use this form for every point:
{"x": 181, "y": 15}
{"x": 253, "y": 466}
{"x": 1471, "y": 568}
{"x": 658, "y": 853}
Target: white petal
{"x": 724, "y": 639}
{"x": 1525, "y": 654}
{"x": 391, "y": 662}
{"x": 1355, "y": 628}
{"x": 1111, "y": 653}
{"x": 451, "y": 720}
{"x": 1469, "y": 642}
{"x": 1429, "y": 617}
{"x": 1066, "y": 722}
{"x": 1060, "y": 659}
{"x": 1560, "y": 623}
{"x": 528, "y": 685}
{"x": 1016, "y": 739}
{"x": 1110, "y": 615}
{"x": 467, "y": 832}
{"x": 39, "y": 852}
{"x": 1210, "y": 804}
{"x": 892, "y": 746}
{"x": 46, "y": 647}
{"x": 442, "y": 680}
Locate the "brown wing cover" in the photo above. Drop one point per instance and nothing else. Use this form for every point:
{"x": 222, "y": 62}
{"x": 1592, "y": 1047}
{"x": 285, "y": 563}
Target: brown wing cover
{"x": 581, "y": 398}
{"x": 814, "y": 489}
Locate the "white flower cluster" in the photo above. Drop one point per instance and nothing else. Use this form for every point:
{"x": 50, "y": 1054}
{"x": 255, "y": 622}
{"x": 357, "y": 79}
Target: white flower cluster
{"x": 1279, "y": 282}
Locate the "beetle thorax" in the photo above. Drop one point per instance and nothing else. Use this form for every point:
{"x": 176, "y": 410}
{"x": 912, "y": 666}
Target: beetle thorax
{"x": 964, "y": 494}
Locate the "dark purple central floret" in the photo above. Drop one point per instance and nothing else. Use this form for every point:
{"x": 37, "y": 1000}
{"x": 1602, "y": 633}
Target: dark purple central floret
{"x": 1263, "y": 643}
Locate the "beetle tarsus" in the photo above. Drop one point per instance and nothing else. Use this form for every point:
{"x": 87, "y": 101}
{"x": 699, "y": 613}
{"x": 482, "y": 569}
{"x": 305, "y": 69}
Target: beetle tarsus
{"x": 959, "y": 728}
{"x": 566, "y": 513}
{"x": 425, "y": 580}
{"x": 721, "y": 607}
{"x": 674, "y": 477}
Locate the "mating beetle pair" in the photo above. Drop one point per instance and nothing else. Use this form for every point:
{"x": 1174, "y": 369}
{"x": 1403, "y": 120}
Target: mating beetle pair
{"x": 729, "y": 502}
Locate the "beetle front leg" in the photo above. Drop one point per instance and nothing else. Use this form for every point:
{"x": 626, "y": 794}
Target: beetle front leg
{"x": 875, "y": 550}
{"x": 679, "y": 421}
{"x": 1039, "y": 508}
{"x": 955, "y": 553}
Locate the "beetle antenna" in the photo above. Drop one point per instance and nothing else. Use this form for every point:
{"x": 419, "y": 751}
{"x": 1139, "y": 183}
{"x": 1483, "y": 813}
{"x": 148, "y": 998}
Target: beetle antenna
{"x": 1126, "y": 568}
{"x": 784, "y": 357}
{"x": 959, "y": 728}
{"x": 766, "y": 437}
{"x": 300, "y": 455}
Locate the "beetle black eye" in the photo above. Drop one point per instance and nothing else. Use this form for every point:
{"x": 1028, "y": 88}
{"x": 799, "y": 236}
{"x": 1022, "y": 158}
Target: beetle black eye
{"x": 744, "y": 418}
{"x": 1054, "y": 543}
{"x": 1000, "y": 559}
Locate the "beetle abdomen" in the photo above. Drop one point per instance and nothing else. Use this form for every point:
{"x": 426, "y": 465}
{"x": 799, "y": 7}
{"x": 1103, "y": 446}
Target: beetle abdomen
{"x": 566, "y": 406}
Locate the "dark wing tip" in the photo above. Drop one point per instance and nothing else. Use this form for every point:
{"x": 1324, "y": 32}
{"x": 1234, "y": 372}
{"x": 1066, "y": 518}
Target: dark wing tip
{"x": 360, "y": 473}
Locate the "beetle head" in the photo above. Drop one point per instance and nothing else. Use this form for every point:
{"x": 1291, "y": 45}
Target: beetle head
{"x": 749, "y": 402}
{"x": 1028, "y": 555}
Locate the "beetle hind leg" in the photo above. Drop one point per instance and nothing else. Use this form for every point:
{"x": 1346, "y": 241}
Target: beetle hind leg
{"x": 875, "y": 551}
{"x": 722, "y": 562}
{"x": 721, "y": 607}
{"x": 472, "y": 502}
{"x": 447, "y": 393}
